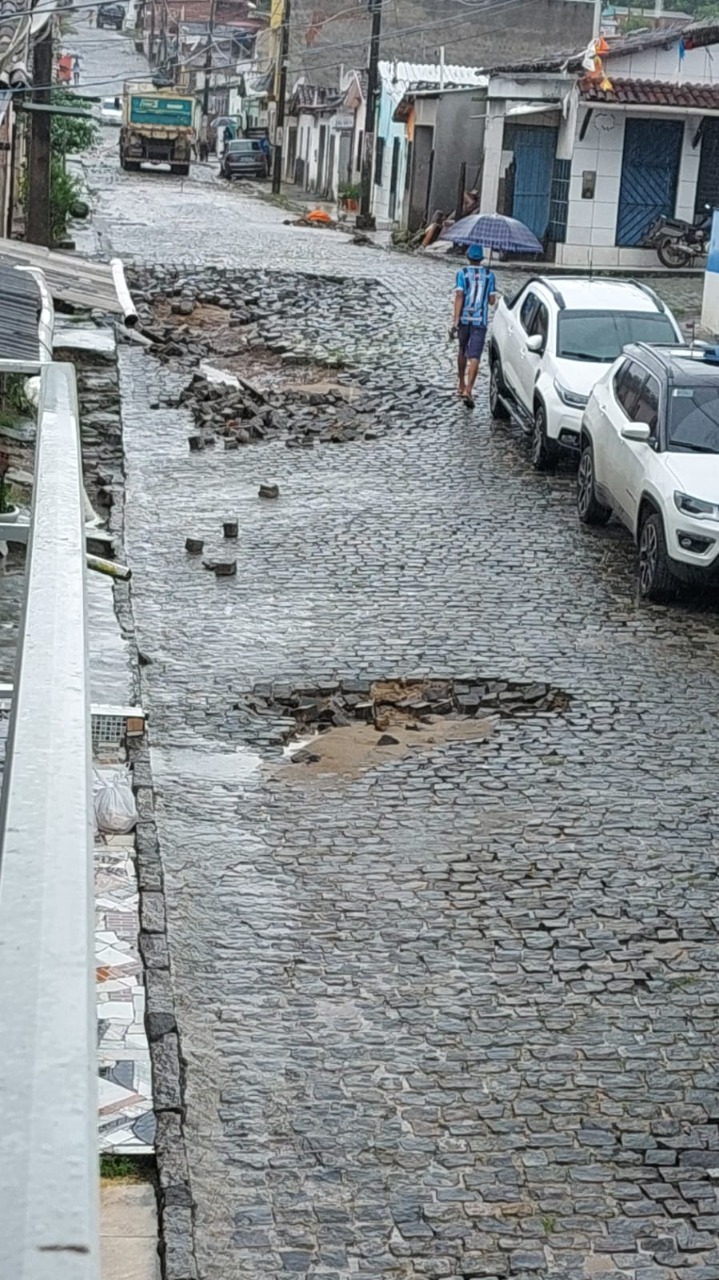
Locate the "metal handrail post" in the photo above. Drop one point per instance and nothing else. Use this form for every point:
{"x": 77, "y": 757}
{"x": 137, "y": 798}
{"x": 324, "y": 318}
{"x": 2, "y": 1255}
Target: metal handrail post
{"x": 49, "y": 1178}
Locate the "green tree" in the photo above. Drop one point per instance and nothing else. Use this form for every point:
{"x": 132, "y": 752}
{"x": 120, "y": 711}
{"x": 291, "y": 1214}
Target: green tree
{"x": 701, "y": 9}
{"x": 69, "y": 134}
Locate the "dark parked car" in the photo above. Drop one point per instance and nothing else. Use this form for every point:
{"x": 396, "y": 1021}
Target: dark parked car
{"x": 244, "y": 158}
{"x": 111, "y": 15}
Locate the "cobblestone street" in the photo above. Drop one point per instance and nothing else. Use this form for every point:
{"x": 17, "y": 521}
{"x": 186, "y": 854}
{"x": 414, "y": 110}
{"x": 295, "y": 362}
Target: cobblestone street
{"x": 453, "y": 1015}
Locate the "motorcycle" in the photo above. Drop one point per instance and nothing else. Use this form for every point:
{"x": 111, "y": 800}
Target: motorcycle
{"x": 679, "y": 243}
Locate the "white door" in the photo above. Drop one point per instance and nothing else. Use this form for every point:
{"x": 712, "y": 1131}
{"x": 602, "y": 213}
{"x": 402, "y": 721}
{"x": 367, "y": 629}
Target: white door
{"x": 635, "y": 399}
{"x": 529, "y": 363}
{"x": 521, "y": 318}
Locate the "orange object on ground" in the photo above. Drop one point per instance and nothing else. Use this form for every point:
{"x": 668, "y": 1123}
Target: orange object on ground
{"x": 318, "y": 215}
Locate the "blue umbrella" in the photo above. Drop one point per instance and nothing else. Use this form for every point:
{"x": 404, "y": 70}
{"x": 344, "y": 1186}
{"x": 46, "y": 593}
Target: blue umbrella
{"x": 494, "y": 231}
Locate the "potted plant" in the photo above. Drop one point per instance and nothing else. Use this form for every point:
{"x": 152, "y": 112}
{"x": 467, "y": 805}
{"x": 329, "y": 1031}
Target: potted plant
{"x": 349, "y": 196}
{"x": 8, "y": 510}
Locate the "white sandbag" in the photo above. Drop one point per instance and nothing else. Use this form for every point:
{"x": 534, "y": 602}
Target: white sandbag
{"x": 115, "y": 809}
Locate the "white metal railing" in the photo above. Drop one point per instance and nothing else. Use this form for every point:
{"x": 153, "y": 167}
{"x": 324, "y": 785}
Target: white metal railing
{"x": 48, "y": 1073}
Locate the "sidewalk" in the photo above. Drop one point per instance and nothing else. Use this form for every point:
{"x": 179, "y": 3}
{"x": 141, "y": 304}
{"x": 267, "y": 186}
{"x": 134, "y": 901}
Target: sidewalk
{"x": 128, "y": 1231}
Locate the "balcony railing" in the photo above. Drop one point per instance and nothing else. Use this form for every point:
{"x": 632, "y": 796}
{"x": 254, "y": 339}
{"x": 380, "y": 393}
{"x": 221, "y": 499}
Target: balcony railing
{"x": 48, "y": 1028}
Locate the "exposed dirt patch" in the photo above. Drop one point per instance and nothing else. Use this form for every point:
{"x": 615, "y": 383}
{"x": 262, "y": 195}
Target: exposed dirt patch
{"x": 351, "y": 725}
{"x": 203, "y": 317}
{"x": 356, "y": 748}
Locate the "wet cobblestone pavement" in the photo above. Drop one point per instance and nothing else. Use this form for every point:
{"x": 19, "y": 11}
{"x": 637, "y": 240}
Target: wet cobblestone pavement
{"x": 454, "y": 1014}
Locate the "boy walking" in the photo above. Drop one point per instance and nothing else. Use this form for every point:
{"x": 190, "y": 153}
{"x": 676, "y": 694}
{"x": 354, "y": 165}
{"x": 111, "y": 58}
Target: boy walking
{"x": 475, "y": 292}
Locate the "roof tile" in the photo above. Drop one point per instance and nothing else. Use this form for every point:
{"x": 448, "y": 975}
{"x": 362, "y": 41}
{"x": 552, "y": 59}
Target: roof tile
{"x": 653, "y": 93}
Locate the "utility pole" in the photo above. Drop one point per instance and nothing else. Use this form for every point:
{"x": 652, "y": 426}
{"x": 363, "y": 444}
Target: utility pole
{"x": 281, "y": 98}
{"x": 208, "y": 61}
{"x": 39, "y": 230}
{"x": 365, "y": 220}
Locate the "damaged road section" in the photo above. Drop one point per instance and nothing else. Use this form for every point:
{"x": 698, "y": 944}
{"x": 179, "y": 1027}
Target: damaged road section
{"x": 339, "y": 723}
{"x": 262, "y": 351}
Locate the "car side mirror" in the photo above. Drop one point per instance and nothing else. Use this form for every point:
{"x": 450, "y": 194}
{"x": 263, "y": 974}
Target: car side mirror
{"x": 535, "y": 343}
{"x": 641, "y": 432}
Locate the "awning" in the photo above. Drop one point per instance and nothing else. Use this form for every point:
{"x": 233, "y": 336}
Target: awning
{"x": 100, "y": 285}
{"x": 533, "y": 108}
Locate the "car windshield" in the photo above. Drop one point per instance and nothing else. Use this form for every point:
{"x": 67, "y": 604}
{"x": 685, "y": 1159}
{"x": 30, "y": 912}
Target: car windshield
{"x": 244, "y": 144}
{"x": 694, "y": 419}
{"x": 602, "y": 335}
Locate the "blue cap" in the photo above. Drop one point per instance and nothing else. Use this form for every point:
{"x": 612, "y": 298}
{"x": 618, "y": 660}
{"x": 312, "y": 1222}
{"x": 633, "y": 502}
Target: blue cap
{"x": 475, "y": 252}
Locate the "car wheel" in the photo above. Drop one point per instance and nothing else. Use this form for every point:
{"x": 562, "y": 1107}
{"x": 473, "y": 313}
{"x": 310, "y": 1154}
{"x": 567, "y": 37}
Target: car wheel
{"x": 656, "y": 581}
{"x": 544, "y": 452}
{"x": 589, "y": 510}
{"x": 496, "y": 390}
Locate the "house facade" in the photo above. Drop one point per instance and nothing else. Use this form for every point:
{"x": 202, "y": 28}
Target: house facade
{"x": 420, "y": 138}
{"x": 446, "y": 133}
{"x": 323, "y": 136}
{"x": 589, "y": 159}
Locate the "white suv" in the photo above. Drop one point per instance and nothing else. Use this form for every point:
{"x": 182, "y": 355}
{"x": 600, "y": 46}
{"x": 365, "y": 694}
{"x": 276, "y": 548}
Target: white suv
{"x": 551, "y": 342}
{"x": 650, "y": 454}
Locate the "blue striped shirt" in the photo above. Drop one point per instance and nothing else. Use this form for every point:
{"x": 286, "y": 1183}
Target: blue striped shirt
{"x": 477, "y": 284}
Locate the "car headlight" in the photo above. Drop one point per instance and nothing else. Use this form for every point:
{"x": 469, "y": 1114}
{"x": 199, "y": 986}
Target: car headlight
{"x": 571, "y": 398}
{"x": 696, "y": 507}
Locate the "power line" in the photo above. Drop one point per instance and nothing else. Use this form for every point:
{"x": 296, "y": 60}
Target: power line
{"x": 398, "y": 32}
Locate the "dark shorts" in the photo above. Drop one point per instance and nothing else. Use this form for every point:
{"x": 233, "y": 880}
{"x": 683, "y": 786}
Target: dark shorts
{"x": 471, "y": 340}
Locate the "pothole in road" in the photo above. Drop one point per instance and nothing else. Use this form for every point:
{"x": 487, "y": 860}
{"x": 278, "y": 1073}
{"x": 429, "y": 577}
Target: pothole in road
{"x": 303, "y": 347}
{"x": 348, "y": 726}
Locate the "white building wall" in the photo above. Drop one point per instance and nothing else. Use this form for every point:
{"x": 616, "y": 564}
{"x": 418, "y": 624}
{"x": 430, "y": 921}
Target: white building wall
{"x": 592, "y": 224}
{"x": 696, "y": 67}
{"x": 309, "y": 133}
{"x": 388, "y": 129}
{"x": 688, "y": 170}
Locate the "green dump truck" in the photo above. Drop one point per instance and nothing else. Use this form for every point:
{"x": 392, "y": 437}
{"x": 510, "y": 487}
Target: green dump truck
{"x": 157, "y": 127}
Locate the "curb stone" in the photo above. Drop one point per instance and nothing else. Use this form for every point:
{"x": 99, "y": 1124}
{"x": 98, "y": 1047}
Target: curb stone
{"x": 175, "y": 1202}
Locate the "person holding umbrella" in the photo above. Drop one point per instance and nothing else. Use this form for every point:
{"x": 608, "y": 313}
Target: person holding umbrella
{"x": 475, "y": 292}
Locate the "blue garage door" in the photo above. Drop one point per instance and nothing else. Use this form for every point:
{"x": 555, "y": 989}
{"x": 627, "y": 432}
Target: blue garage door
{"x": 534, "y": 151}
{"x": 650, "y": 169}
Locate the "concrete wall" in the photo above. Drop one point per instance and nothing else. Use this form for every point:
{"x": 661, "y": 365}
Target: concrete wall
{"x": 389, "y": 130}
{"x": 458, "y": 137}
{"x": 505, "y": 93}
{"x": 696, "y": 67}
{"x": 479, "y": 35}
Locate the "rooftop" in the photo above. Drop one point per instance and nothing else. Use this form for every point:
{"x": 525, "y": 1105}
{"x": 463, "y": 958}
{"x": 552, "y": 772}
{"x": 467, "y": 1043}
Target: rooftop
{"x": 695, "y": 34}
{"x": 313, "y": 96}
{"x": 20, "y": 306}
{"x": 655, "y": 93}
